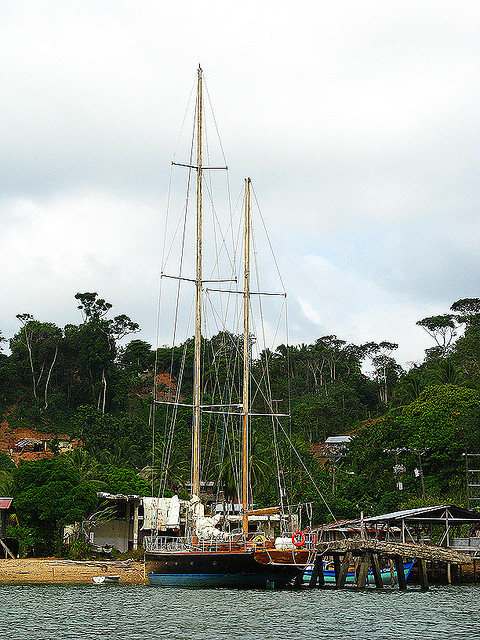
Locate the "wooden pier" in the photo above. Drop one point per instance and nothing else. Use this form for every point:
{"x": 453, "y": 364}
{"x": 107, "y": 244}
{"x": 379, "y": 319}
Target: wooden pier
{"x": 369, "y": 554}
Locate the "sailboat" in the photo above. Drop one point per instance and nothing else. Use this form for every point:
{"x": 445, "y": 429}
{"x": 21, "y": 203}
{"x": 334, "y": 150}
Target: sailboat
{"x": 198, "y": 553}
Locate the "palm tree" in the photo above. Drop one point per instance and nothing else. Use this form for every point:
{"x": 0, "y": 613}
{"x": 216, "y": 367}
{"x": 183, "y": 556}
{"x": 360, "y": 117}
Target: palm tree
{"x": 84, "y": 463}
{"x": 174, "y": 473}
{"x": 230, "y": 468}
{"x": 412, "y": 386}
{"x": 6, "y": 483}
{"x": 121, "y": 453}
{"x": 445, "y": 373}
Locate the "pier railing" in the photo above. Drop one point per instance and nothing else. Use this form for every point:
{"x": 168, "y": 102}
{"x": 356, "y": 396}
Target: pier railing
{"x": 470, "y": 546}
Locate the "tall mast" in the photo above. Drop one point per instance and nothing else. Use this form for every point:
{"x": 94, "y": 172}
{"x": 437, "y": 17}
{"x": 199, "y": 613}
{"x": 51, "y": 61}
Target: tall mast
{"x": 198, "y": 301}
{"x": 246, "y": 358}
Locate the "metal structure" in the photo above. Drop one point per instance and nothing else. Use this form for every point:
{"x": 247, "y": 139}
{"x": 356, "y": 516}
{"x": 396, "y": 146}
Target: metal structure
{"x": 410, "y": 520}
{"x": 472, "y": 469}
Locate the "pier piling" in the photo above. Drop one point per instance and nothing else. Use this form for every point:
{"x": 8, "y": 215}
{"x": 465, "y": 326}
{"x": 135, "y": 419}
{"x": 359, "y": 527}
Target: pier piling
{"x": 376, "y": 571}
{"x": 317, "y": 573}
{"x": 422, "y": 574}
{"x": 336, "y": 566}
{"x": 402, "y": 583}
{"x": 342, "y": 575}
{"x": 374, "y": 553}
{"x": 363, "y": 570}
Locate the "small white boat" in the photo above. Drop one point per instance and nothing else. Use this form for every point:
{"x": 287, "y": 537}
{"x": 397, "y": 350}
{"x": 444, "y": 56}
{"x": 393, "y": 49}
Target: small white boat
{"x": 106, "y": 579}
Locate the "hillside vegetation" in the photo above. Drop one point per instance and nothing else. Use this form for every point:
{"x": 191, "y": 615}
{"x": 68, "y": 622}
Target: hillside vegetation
{"x": 410, "y": 428}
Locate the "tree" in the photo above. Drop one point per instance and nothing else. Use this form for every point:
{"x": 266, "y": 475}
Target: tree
{"x": 386, "y": 369}
{"x": 410, "y": 386}
{"x": 137, "y": 357}
{"x": 318, "y": 417}
{"x": 445, "y": 419}
{"x": 9, "y": 383}
{"x": 445, "y": 373}
{"x": 443, "y": 416}
{"x": 84, "y": 464}
{"x": 91, "y": 306}
{"x": 94, "y": 344}
{"x": 442, "y": 329}
{"x": 37, "y": 343}
{"x": 468, "y": 311}
{"x": 6, "y": 482}
{"x": 466, "y": 356}
{"x": 122, "y": 326}
{"x": 124, "y": 481}
{"x": 49, "y": 495}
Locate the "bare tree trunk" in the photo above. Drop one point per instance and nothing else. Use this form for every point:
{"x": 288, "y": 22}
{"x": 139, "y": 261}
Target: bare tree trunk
{"x": 49, "y": 375}
{"x": 104, "y": 381}
{"x": 29, "y": 348}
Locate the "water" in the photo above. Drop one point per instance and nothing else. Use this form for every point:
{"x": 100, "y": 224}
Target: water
{"x": 121, "y": 612}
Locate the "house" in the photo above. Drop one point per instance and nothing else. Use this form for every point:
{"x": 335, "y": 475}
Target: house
{"x": 115, "y": 524}
{"x": 5, "y": 504}
{"x": 332, "y": 449}
{"x": 27, "y": 444}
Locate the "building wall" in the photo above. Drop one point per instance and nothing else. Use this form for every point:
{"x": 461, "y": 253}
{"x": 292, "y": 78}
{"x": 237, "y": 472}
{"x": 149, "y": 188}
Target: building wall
{"x": 115, "y": 533}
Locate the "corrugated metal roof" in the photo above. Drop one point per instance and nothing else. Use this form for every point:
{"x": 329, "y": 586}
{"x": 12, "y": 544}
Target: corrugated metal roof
{"x": 346, "y": 526}
{"x": 338, "y": 440}
{"x": 117, "y": 496}
{"x": 429, "y": 514}
{"x": 5, "y": 503}
{"x": 26, "y": 441}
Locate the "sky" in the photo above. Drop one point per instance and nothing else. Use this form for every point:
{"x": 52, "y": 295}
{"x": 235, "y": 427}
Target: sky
{"x": 358, "y": 123}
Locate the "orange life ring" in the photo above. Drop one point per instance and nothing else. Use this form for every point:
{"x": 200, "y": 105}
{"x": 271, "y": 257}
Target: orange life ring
{"x": 298, "y": 538}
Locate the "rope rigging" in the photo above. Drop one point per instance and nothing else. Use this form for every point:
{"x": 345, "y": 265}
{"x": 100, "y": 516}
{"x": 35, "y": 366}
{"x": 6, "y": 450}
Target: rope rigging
{"x": 220, "y": 372}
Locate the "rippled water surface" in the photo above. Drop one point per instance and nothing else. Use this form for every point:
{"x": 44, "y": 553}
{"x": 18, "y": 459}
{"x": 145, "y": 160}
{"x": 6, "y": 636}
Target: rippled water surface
{"x": 143, "y": 613}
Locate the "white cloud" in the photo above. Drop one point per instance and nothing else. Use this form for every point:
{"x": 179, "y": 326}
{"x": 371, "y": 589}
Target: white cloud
{"x": 358, "y": 310}
{"x": 357, "y": 122}
{"x": 76, "y": 242}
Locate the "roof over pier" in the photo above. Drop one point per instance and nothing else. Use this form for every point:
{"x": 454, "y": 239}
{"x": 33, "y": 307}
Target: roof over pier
{"x": 440, "y": 514}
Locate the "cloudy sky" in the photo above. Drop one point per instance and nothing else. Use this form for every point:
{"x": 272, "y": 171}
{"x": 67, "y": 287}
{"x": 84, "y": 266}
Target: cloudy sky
{"x": 357, "y": 121}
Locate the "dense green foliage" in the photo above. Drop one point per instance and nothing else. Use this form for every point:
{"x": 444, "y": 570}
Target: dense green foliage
{"x": 83, "y": 383}
{"x": 48, "y": 495}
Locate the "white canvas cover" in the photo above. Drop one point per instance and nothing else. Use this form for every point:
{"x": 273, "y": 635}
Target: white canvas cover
{"x": 173, "y": 520}
{"x": 205, "y": 526}
{"x": 161, "y": 513}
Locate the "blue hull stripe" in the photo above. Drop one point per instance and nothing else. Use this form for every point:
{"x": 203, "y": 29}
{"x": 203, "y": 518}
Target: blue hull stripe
{"x": 260, "y": 580}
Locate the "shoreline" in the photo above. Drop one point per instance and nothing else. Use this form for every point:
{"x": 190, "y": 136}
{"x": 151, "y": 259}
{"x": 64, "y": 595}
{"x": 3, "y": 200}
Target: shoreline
{"x": 81, "y": 572}
{"x": 58, "y": 571}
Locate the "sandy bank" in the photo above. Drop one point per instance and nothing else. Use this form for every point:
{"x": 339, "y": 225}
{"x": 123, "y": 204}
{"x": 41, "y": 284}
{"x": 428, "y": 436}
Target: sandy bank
{"x": 55, "y": 571}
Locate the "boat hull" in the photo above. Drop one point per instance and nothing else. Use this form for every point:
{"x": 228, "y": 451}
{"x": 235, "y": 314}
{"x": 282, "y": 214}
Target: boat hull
{"x": 240, "y": 569}
{"x": 329, "y": 575}
{"x": 214, "y": 580}
{"x": 106, "y": 579}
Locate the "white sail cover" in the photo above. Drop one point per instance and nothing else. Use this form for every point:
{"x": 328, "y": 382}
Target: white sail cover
{"x": 161, "y": 513}
{"x": 205, "y": 526}
{"x": 196, "y": 507}
{"x": 173, "y": 519}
